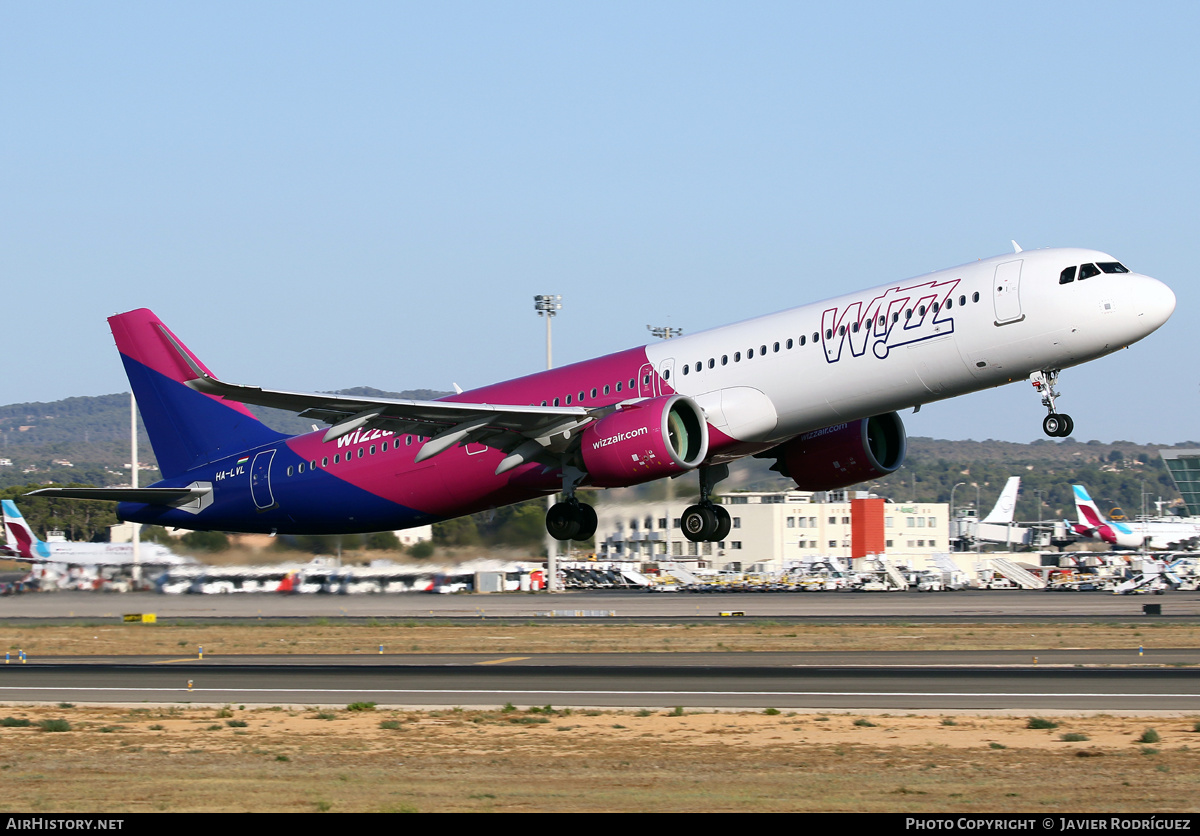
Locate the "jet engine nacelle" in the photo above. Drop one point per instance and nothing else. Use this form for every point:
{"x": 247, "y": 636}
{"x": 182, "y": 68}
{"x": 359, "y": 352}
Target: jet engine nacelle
{"x": 843, "y": 454}
{"x": 644, "y": 441}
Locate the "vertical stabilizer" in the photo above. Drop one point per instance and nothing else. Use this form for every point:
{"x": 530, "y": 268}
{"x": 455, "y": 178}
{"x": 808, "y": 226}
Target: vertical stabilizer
{"x": 186, "y": 428}
{"x": 21, "y": 541}
{"x": 1006, "y": 505}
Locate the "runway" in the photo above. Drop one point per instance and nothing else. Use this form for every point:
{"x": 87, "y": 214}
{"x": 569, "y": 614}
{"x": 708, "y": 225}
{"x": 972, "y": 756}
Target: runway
{"x": 1116, "y": 681}
{"x": 1063, "y": 681}
{"x": 972, "y": 605}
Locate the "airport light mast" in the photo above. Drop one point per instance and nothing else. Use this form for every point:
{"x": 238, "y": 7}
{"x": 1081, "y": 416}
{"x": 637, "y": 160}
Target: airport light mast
{"x": 133, "y": 474}
{"x": 665, "y": 332}
{"x": 548, "y": 305}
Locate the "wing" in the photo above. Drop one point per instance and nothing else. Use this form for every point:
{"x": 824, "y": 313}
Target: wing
{"x": 526, "y": 433}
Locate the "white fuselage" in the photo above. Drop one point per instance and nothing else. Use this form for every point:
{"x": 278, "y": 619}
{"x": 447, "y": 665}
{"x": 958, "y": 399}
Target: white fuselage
{"x": 996, "y": 320}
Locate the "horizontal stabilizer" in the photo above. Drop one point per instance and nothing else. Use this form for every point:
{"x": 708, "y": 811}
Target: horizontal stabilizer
{"x": 146, "y": 496}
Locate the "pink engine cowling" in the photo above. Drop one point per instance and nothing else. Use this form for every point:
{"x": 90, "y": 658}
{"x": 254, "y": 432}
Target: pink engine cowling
{"x": 644, "y": 441}
{"x": 843, "y": 454}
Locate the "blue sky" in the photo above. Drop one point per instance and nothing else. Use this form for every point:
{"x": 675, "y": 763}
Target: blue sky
{"x": 320, "y": 195}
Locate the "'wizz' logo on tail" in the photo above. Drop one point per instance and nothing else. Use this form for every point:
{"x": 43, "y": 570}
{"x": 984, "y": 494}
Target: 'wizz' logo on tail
{"x": 898, "y": 316}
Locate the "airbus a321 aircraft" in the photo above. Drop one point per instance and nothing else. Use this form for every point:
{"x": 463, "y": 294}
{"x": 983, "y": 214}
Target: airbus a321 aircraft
{"x": 816, "y": 388}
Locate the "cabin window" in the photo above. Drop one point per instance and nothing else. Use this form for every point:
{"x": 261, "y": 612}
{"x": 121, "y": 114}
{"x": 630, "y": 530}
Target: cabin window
{"x": 816, "y": 337}
{"x": 724, "y": 359}
{"x": 737, "y": 356}
{"x": 962, "y": 300}
{"x": 921, "y": 310}
{"x": 803, "y": 340}
{"x": 593, "y": 393}
{"x": 949, "y": 304}
{"x": 360, "y": 452}
{"x": 556, "y": 401}
{"x": 685, "y": 370}
{"x": 762, "y": 349}
{"x": 325, "y": 461}
{"x": 908, "y": 314}
{"x": 975, "y": 296}
{"x": 337, "y": 458}
{"x": 300, "y": 469}
{"x": 618, "y": 386}
{"x": 372, "y": 449}
{"x": 854, "y": 327}
{"x": 789, "y": 343}
{"x": 841, "y": 330}
{"x": 568, "y": 400}
{"x": 606, "y": 391}
{"x": 289, "y": 470}
{"x": 711, "y": 362}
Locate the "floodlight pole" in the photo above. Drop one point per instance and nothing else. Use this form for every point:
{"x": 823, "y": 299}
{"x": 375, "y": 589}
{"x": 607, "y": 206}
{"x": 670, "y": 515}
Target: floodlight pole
{"x": 548, "y": 305}
{"x": 133, "y": 470}
{"x": 665, "y": 332}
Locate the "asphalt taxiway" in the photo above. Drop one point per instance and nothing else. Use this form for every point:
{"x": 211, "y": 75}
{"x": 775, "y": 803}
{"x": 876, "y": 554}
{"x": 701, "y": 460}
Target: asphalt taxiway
{"x": 1115, "y": 681}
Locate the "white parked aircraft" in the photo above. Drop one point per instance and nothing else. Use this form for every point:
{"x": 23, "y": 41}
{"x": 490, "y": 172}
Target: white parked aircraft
{"x": 23, "y": 545}
{"x": 1156, "y": 534}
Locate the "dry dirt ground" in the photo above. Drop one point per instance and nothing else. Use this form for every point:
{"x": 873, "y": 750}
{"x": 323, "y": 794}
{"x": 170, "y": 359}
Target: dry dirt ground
{"x": 311, "y": 759}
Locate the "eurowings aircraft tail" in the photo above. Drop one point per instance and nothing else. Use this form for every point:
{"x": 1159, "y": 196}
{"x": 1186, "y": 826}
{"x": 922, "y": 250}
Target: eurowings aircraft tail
{"x": 1092, "y": 523}
{"x": 186, "y": 428}
{"x": 1002, "y": 512}
{"x": 21, "y": 543}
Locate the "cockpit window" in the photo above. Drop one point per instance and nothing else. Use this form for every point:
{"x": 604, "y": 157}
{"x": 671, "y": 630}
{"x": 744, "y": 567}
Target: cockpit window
{"x": 1087, "y": 271}
{"x": 1112, "y": 267}
{"x": 1067, "y": 276}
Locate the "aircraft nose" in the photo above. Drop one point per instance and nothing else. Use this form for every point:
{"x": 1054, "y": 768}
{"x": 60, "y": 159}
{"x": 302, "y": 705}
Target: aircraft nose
{"x": 1155, "y": 303}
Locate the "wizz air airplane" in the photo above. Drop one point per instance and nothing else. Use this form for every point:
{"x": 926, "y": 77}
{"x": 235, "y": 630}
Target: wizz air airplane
{"x": 1129, "y": 534}
{"x": 817, "y": 388}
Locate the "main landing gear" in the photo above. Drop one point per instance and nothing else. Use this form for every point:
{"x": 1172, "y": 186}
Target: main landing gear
{"x": 1056, "y": 424}
{"x": 706, "y": 521}
{"x": 571, "y": 519}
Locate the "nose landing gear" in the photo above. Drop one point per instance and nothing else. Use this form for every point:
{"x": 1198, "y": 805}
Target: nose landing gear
{"x": 1056, "y": 424}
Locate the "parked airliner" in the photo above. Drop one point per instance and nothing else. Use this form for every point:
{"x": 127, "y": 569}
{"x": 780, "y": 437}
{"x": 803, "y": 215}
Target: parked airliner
{"x": 23, "y": 545}
{"x": 1130, "y": 534}
{"x": 816, "y": 388}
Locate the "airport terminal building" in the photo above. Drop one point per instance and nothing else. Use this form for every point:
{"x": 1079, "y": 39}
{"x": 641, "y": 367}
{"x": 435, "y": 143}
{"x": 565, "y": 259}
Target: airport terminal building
{"x": 1184, "y": 467}
{"x": 778, "y": 530}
